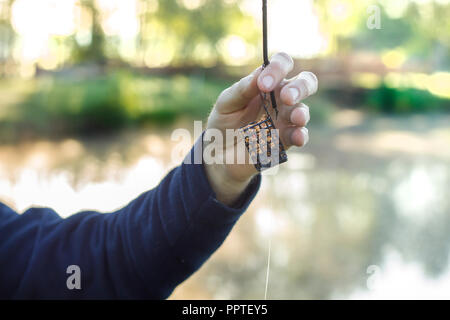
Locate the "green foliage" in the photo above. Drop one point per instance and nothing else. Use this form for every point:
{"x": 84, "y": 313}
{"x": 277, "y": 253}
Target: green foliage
{"x": 62, "y": 106}
{"x": 166, "y": 98}
{"x": 59, "y": 106}
{"x": 321, "y": 108}
{"x": 393, "y": 33}
{"x": 420, "y": 28}
{"x": 388, "y": 100}
{"x": 109, "y": 103}
{"x": 207, "y": 24}
{"x": 94, "y": 51}
{"x": 70, "y": 106}
{"x": 393, "y": 100}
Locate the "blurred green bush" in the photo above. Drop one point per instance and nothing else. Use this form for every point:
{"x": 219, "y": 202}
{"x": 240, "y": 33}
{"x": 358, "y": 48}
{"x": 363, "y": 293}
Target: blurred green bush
{"x": 388, "y": 100}
{"x": 61, "y": 106}
{"x": 109, "y": 103}
{"x": 54, "y": 106}
{"x": 405, "y": 100}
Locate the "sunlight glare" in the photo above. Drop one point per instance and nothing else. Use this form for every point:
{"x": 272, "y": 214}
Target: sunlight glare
{"x": 191, "y": 4}
{"x": 43, "y": 17}
{"x": 235, "y": 49}
{"x": 120, "y": 18}
{"x": 293, "y": 27}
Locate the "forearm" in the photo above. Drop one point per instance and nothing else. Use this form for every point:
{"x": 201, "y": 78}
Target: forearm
{"x": 188, "y": 224}
{"x": 143, "y": 250}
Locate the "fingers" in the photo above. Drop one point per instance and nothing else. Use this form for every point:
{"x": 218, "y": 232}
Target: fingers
{"x": 294, "y": 113}
{"x": 301, "y": 87}
{"x": 239, "y": 94}
{"x": 297, "y": 115}
{"x": 280, "y": 65}
{"x": 295, "y": 136}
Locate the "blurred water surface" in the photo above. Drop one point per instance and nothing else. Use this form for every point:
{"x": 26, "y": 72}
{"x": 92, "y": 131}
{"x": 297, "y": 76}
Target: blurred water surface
{"x": 362, "y": 212}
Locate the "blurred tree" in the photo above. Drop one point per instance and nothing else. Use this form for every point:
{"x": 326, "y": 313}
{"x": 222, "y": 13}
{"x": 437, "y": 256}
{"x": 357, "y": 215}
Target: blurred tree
{"x": 94, "y": 51}
{"x": 189, "y": 30}
{"x": 340, "y": 21}
{"x": 419, "y": 28}
{"x": 6, "y": 35}
{"x": 430, "y": 36}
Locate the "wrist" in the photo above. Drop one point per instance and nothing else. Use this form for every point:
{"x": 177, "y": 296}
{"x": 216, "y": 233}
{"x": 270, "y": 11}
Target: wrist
{"x": 227, "y": 187}
{"x": 228, "y": 180}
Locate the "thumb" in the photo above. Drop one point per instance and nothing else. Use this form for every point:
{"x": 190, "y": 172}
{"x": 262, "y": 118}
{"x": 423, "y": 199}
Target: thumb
{"x": 239, "y": 94}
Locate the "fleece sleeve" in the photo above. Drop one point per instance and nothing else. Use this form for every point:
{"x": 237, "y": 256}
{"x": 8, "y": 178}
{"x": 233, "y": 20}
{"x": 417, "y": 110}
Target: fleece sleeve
{"x": 142, "y": 251}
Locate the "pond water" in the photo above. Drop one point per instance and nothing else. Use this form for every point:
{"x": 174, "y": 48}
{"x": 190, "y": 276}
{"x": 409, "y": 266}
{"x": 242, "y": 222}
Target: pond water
{"x": 362, "y": 212}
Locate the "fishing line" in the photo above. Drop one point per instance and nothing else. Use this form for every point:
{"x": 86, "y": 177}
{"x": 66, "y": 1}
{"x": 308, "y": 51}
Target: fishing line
{"x": 268, "y": 267}
{"x": 274, "y": 105}
{"x": 266, "y": 53}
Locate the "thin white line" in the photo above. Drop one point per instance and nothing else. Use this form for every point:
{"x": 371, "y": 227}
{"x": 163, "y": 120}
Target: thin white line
{"x": 268, "y": 268}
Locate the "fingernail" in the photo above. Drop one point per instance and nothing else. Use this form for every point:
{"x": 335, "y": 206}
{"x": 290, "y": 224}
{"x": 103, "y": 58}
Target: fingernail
{"x": 294, "y": 94}
{"x": 268, "y": 82}
{"x": 306, "y": 114}
{"x": 305, "y": 135}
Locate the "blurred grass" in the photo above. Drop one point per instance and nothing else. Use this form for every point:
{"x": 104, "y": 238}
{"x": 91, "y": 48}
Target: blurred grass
{"x": 389, "y": 101}
{"x": 53, "y": 106}
{"x": 405, "y": 100}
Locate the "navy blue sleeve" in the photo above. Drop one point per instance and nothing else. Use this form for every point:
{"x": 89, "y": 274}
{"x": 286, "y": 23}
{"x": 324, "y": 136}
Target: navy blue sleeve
{"x": 142, "y": 251}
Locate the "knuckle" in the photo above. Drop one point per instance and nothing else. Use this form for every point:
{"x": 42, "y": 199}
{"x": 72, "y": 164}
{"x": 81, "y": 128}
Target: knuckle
{"x": 235, "y": 88}
{"x": 302, "y": 85}
{"x": 286, "y": 58}
{"x": 240, "y": 89}
{"x": 304, "y": 106}
{"x": 311, "y": 76}
{"x": 225, "y": 93}
{"x": 303, "y": 120}
{"x": 311, "y": 81}
{"x": 276, "y": 65}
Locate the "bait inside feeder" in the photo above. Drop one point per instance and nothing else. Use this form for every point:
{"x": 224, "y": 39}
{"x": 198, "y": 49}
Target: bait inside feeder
{"x": 263, "y": 142}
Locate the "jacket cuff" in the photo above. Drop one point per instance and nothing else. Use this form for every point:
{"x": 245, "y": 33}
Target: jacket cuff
{"x": 212, "y": 210}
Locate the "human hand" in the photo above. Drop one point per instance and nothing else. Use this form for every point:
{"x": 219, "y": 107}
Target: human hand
{"x": 240, "y": 104}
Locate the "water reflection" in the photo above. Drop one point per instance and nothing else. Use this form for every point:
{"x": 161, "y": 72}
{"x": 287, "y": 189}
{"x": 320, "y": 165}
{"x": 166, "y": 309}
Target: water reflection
{"x": 356, "y": 214}
{"x": 69, "y": 175}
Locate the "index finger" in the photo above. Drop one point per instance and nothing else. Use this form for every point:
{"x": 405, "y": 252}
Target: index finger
{"x": 239, "y": 94}
{"x": 280, "y": 65}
